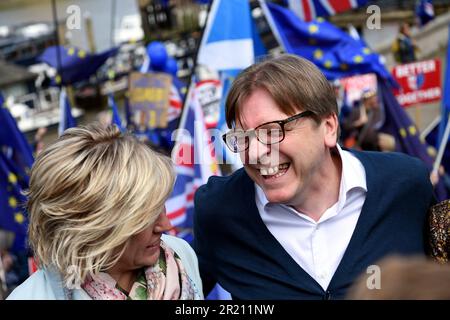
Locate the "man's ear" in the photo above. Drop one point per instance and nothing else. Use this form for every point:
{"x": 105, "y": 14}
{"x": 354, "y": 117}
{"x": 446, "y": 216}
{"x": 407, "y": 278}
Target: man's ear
{"x": 331, "y": 125}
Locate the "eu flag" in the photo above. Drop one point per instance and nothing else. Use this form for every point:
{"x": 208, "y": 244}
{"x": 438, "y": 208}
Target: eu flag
{"x": 12, "y": 215}
{"x": 425, "y": 11}
{"x": 75, "y": 64}
{"x": 398, "y": 124}
{"x": 14, "y": 144}
{"x": 16, "y": 159}
{"x": 335, "y": 52}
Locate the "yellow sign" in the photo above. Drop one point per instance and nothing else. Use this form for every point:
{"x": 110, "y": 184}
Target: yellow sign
{"x": 149, "y": 98}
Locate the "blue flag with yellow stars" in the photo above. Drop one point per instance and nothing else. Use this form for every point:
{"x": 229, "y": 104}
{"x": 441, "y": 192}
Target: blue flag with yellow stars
{"x": 14, "y": 144}
{"x": 12, "y": 213}
{"x": 335, "y": 52}
{"x": 407, "y": 137}
{"x": 74, "y": 64}
{"x": 16, "y": 159}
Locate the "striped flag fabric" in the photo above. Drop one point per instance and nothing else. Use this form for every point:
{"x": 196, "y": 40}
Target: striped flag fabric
{"x": 194, "y": 160}
{"x": 309, "y": 10}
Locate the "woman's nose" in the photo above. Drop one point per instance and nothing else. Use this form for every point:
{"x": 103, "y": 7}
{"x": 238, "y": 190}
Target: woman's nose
{"x": 162, "y": 223}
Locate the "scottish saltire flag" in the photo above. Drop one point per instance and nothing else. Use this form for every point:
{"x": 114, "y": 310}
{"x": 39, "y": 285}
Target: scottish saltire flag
{"x": 66, "y": 120}
{"x": 230, "y": 44}
{"x": 227, "y": 41}
{"x": 335, "y": 52}
{"x": 194, "y": 160}
{"x": 308, "y": 10}
{"x": 75, "y": 64}
{"x": 115, "y": 112}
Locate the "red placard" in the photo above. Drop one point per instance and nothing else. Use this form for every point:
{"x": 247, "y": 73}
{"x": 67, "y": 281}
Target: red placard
{"x": 420, "y": 82}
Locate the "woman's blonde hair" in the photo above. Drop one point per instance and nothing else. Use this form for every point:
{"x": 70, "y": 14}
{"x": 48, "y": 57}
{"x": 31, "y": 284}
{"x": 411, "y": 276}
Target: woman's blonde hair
{"x": 90, "y": 191}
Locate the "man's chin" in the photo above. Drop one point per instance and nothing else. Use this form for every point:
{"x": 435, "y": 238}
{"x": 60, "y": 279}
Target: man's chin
{"x": 277, "y": 196}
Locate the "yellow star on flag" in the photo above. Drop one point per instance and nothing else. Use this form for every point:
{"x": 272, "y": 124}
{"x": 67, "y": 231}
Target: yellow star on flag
{"x": 328, "y": 64}
{"x": 12, "y": 202}
{"x": 366, "y": 50}
{"x": 358, "y": 59}
{"x": 403, "y": 132}
{"x": 71, "y": 51}
{"x": 412, "y": 130}
{"x": 81, "y": 54}
{"x": 19, "y": 217}
{"x": 313, "y": 28}
{"x": 320, "y": 19}
{"x": 12, "y": 178}
{"x": 318, "y": 54}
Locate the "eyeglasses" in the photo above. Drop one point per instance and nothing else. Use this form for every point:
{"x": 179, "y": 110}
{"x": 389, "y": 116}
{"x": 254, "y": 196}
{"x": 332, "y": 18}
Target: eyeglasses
{"x": 238, "y": 140}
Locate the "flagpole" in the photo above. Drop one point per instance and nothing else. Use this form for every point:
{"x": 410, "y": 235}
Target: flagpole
{"x": 444, "y": 141}
{"x": 58, "y": 52}
{"x": 193, "y": 70}
{"x": 425, "y": 132}
{"x": 113, "y": 23}
{"x": 273, "y": 27}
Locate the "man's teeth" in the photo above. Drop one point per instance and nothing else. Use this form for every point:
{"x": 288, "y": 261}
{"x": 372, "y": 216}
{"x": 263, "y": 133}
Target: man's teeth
{"x": 273, "y": 170}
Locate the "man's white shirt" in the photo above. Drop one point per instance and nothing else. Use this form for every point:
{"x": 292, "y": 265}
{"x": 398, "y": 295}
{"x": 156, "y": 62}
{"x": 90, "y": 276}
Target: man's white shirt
{"x": 318, "y": 247}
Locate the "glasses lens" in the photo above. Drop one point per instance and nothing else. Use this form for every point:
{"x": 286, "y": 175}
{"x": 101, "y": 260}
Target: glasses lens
{"x": 236, "y": 141}
{"x": 270, "y": 133}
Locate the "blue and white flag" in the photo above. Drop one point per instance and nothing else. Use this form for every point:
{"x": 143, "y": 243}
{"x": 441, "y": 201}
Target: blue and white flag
{"x": 66, "y": 120}
{"x": 229, "y": 45}
{"x": 425, "y": 11}
{"x": 115, "y": 113}
{"x": 227, "y": 41}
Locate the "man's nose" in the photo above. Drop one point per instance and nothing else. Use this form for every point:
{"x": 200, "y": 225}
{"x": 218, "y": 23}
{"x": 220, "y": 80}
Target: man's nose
{"x": 256, "y": 152}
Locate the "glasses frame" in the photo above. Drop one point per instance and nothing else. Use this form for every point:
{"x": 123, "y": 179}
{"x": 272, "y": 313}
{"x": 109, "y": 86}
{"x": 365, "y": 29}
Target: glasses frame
{"x": 281, "y": 123}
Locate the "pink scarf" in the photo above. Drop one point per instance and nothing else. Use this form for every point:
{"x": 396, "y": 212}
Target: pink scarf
{"x": 165, "y": 280}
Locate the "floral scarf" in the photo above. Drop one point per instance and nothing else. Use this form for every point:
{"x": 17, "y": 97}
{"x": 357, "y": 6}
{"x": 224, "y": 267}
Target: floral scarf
{"x": 165, "y": 280}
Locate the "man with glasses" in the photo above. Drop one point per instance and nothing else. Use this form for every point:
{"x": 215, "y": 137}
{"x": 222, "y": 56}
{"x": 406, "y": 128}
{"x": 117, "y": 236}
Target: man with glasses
{"x": 304, "y": 217}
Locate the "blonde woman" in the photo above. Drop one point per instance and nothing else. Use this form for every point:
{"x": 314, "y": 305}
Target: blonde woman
{"x": 97, "y": 217}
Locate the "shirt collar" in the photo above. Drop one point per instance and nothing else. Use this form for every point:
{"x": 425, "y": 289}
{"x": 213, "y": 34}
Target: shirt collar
{"x": 353, "y": 176}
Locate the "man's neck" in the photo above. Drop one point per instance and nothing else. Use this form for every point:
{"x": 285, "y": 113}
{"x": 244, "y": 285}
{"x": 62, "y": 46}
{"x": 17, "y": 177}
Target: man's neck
{"x": 323, "y": 192}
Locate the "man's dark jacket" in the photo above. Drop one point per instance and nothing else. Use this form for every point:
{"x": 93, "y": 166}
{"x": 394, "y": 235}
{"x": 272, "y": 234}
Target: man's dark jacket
{"x": 236, "y": 249}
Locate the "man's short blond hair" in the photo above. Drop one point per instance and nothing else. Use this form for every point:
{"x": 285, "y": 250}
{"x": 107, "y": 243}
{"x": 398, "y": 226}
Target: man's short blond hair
{"x": 90, "y": 191}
